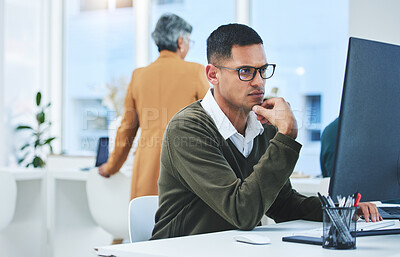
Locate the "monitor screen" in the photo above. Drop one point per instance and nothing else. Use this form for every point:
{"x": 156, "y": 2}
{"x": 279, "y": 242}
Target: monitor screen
{"x": 102, "y": 151}
{"x": 367, "y": 155}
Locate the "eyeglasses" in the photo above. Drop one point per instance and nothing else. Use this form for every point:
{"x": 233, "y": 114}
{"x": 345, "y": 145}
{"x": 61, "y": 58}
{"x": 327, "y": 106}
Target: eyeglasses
{"x": 247, "y": 73}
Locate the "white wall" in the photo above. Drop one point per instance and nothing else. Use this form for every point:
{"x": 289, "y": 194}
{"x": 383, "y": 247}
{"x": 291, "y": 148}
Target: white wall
{"x": 375, "y": 20}
{"x": 1, "y": 81}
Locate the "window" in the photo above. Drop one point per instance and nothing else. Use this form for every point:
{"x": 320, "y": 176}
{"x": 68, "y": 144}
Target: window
{"x": 199, "y": 14}
{"x": 161, "y": 2}
{"x": 308, "y": 42}
{"x": 313, "y": 110}
{"x": 98, "y": 54}
{"x": 23, "y": 65}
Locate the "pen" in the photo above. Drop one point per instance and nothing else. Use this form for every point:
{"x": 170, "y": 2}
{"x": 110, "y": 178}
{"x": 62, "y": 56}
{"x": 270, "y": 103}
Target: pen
{"x": 323, "y": 200}
{"x": 330, "y": 201}
{"x": 358, "y": 198}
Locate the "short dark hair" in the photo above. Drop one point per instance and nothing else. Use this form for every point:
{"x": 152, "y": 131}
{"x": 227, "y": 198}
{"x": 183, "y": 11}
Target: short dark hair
{"x": 221, "y": 40}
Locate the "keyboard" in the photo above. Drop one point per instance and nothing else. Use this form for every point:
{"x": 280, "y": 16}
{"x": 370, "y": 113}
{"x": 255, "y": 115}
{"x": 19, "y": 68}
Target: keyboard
{"x": 390, "y": 212}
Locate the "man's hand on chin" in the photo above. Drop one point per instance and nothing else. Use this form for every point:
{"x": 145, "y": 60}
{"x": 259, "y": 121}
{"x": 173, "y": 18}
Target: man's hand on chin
{"x": 277, "y": 112}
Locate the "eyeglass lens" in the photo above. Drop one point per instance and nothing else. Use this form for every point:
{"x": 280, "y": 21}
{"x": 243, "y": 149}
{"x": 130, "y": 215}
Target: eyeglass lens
{"x": 248, "y": 73}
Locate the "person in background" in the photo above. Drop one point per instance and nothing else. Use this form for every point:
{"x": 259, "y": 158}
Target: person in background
{"x": 328, "y": 144}
{"x": 226, "y": 160}
{"x": 154, "y": 95}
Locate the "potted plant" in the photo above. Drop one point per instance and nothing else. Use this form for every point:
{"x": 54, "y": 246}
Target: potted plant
{"x": 33, "y": 153}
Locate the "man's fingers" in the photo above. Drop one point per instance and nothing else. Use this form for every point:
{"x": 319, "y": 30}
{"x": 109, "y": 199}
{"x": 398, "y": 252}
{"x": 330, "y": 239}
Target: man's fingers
{"x": 263, "y": 113}
{"x": 263, "y": 120}
{"x": 260, "y": 111}
{"x": 278, "y": 113}
{"x": 370, "y": 212}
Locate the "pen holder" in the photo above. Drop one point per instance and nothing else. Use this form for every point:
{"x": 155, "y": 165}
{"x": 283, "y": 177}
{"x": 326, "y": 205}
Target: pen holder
{"x": 339, "y": 227}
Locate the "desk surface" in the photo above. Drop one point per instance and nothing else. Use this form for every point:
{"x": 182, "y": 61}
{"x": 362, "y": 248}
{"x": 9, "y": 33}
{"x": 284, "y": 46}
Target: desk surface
{"x": 223, "y": 244}
{"x": 24, "y": 173}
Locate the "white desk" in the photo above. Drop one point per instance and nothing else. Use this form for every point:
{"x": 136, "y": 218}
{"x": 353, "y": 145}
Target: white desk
{"x": 72, "y": 230}
{"x": 223, "y": 244}
{"x": 25, "y": 235}
{"x": 52, "y": 217}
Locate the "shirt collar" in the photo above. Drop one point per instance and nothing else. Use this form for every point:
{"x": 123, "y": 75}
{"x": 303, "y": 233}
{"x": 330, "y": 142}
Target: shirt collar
{"x": 224, "y": 125}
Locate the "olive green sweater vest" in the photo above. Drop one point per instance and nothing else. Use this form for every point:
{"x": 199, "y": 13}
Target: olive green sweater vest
{"x": 207, "y": 185}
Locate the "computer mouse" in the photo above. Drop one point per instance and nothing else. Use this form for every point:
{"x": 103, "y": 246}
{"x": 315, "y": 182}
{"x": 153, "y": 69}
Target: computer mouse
{"x": 252, "y": 238}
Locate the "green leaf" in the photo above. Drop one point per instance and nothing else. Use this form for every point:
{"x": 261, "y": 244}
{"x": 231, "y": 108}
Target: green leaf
{"x": 24, "y": 146}
{"x": 38, "y": 162}
{"x": 40, "y": 117}
{"x": 23, "y": 127}
{"x": 38, "y": 98}
{"x": 21, "y": 160}
{"x": 48, "y": 141}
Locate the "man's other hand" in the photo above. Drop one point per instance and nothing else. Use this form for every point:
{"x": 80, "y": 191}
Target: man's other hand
{"x": 102, "y": 170}
{"x": 277, "y": 112}
{"x": 369, "y": 211}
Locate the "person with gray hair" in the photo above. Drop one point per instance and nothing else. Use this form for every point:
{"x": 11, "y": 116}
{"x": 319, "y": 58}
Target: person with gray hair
{"x": 171, "y": 32}
{"x": 155, "y": 94}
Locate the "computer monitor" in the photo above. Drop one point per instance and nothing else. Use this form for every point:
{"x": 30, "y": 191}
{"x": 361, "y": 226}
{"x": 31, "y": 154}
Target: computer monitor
{"x": 367, "y": 155}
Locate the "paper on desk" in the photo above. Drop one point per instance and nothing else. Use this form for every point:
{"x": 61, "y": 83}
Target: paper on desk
{"x": 361, "y": 226}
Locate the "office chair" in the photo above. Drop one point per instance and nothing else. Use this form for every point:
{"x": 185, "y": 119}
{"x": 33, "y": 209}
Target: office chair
{"x": 142, "y": 211}
{"x": 109, "y": 203}
{"x": 8, "y": 198}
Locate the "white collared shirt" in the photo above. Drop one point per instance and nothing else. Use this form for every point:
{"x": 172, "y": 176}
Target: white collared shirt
{"x": 243, "y": 143}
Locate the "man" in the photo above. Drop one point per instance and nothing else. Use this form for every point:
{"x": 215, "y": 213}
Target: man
{"x": 221, "y": 168}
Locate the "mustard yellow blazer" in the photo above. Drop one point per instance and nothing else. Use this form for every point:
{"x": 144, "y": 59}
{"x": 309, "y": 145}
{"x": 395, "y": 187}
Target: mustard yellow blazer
{"x": 154, "y": 95}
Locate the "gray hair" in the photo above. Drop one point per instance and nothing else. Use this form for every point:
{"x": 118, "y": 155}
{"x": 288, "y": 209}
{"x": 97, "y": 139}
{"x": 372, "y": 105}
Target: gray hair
{"x": 169, "y": 28}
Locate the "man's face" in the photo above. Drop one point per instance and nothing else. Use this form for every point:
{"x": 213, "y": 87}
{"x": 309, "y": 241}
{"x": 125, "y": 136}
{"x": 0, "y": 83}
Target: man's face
{"x": 230, "y": 92}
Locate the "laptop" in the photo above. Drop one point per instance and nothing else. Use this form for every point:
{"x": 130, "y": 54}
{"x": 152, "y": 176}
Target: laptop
{"x": 102, "y": 151}
{"x": 389, "y": 212}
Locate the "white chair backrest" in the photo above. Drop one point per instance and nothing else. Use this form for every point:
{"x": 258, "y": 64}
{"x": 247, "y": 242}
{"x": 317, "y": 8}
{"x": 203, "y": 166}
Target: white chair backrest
{"x": 109, "y": 202}
{"x": 142, "y": 211}
{"x": 8, "y": 198}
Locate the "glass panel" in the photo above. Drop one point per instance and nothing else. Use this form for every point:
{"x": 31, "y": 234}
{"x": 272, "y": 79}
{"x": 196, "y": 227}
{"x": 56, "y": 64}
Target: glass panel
{"x": 308, "y": 42}
{"x": 98, "y": 56}
{"x": 199, "y": 14}
{"x": 22, "y": 71}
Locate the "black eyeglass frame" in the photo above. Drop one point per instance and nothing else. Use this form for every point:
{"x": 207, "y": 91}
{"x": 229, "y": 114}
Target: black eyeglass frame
{"x": 255, "y": 70}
